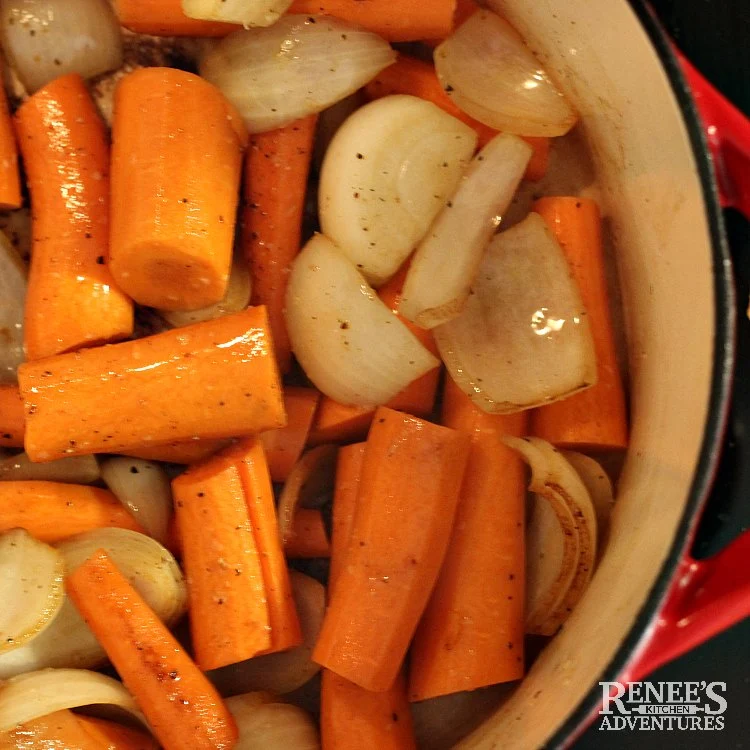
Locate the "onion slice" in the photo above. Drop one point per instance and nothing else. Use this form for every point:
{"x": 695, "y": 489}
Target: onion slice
{"x": 245, "y": 12}
{"x": 492, "y": 75}
{"x": 266, "y": 725}
{"x": 72, "y": 470}
{"x": 45, "y": 39}
{"x": 350, "y": 344}
{"x": 446, "y": 262}
{"x": 297, "y": 67}
{"x": 523, "y": 338}
{"x": 387, "y": 173}
{"x": 13, "y": 296}
{"x": 31, "y": 587}
{"x": 30, "y": 696}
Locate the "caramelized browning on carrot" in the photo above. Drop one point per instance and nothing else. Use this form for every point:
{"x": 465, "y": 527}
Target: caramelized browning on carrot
{"x": 12, "y": 418}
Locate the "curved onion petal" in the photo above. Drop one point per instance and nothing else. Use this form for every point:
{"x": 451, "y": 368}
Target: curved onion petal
{"x": 29, "y": 696}
{"x": 446, "y": 261}
{"x": 492, "y": 75}
{"x": 309, "y": 484}
{"x": 297, "y": 67}
{"x": 387, "y": 173}
{"x": 13, "y": 296}
{"x": 143, "y": 487}
{"x": 286, "y": 671}
{"x": 523, "y": 338}
{"x": 45, "y": 39}
{"x": 273, "y": 726}
{"x": 561, "y": 557}
{"x": 246, "y": 12}
{"x": 74, "y": 470}
{"x": 31, "y": 587}
{"x": 350, "y": 344}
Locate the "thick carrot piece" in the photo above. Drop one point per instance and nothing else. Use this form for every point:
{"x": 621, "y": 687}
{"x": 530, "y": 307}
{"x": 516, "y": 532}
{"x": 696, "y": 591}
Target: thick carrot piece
{"x": 595, "y": 419}
{"x": 472, "y": 632}
{"x": 181, "y": 705}
{"x": 276, "y": 170}
{"x": 406, "y": 21}
{"x": 112, "y": 736}
{"x": 411, "y": 477}
{"x": 186, "y": 452}
{"x": 211, "y": 380}
{"x": 165, "y": 18}
{"x": 72, "y": 299}
{"x": 52, "y": 511}
{"x": 284, "y": 446}
{"x": 10, "y": 180}
{"x": 176, "y": 167}
{"x": 229, "y": 618}
{"x": 309, "y": 537}
{"x": 12, "y": 417}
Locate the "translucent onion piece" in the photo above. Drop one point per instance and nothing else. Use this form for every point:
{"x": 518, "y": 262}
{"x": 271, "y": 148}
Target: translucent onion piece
{"x": 297, "y": 67}
{"x": 246, "y": 12}
{"x": 492, "y": 75}
{"x": 31, "y": 587}
{"x": 387, "y": 173}
{"x": 74, "y": 470}
{"x": 446, "y": 261}
{"x": 68, "y": 642}
{"x": 286, "y": 671}
{"x": 13, "y": 296}
{"x": 272, "y": 726}
{"x": 29, "y": 696}
{"x": 350, "y": 344}
{"x": 556, "y": 583}
{"x": 143, "y": 487}
{"x": 45, "y": 39}
{"x": 523, "y": 338}
{"x": 309, "y": 485}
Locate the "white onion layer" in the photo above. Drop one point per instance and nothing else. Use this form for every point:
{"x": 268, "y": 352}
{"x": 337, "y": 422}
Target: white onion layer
{"x": 272, "y": 726}
{"x": 246, "y": 12}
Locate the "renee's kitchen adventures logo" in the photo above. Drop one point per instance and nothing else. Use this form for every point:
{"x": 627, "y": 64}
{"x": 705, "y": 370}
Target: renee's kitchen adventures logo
{"x": 663, "y": 706}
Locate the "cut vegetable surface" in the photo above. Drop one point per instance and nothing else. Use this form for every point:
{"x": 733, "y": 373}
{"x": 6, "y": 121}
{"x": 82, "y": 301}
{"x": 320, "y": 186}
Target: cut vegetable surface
{"x": 166, "y": 18}
{"x": 308, "y": 537}
{"x": 73, "y": 470}
{"x": 245, "y": 12}
{"x": 523, "y": 338}
{"x": 387, "y": 173}
{"x": 268, "y": 725}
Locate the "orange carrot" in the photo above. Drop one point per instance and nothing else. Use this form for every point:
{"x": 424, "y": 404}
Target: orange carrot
{"x": 411, "y": 477}
{"x": 10, "y": 181}
{"x": 72, "y": 299}
{"x": 181, "y": 705}
{"x": 185, "y": 452}
{"x": 165, "y": 18}
{"x": 595, "y": 419}
{"x": 407, "y": 21}
{"x": 464, "y": 9}
{"x": 408, "y": 75}
{"x": 12, "y": 418}
{"x": 284, "y": 446}
{"x": 112, "y": 736}
{"x": 229, "y": 617}
{"x": 216, "y": 379}
{"x": 308, "y": 537}
{"x": 176, "y": 166}
{"x": 52, "y": 511}
{"x": 276, "y": 170}
{"x": 336, "y": 423}
{"x": 472, "y": 632}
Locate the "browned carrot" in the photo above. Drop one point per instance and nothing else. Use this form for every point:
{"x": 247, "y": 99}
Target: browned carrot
{"x": 52, "y": 511}
{"x": 165, "y": 18}
{"x": 408, "y": 75}
{"x": 472, "y": 632}
{"x": 181, "y": 705}
{"x": 111, "y": 736}
{"x": 276, "y": 170}
{"x": 229, "y": 617}
{"x": 216, "y": 379}
{"x": 595, "y": 419}
{"x": 72, "y": 299}
{"x": 284, "y": 446}
{"x": 176, "y": 166}
{"x": 409, "y": 20}
{"x": 12, "y": 418}
{"x": 10, "y": 181}
{"x": 308, "y": 536}
{"x": 411, "y": 477}
{"x": 185, "y": 452}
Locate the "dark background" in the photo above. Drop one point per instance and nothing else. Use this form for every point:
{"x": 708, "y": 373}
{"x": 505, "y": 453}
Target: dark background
{"x": 715, "y": 35}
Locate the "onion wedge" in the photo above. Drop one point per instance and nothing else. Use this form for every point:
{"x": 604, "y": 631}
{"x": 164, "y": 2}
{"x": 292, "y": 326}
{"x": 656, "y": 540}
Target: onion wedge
{"x": 246, "y": 12}
{"x": 446, "y": 262}
{"x": 490, "y": 73}
{"x": 265, "y": 725}
{"x": 13, "y": 296}
{"x": 523, "y": 338}
{"x": 297, "y": 67}
{"x": 31, "y": 588}
{"x": 349, "y": 343}
{"x": 387, "y": 173}
{"x": 73, "y": 470}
